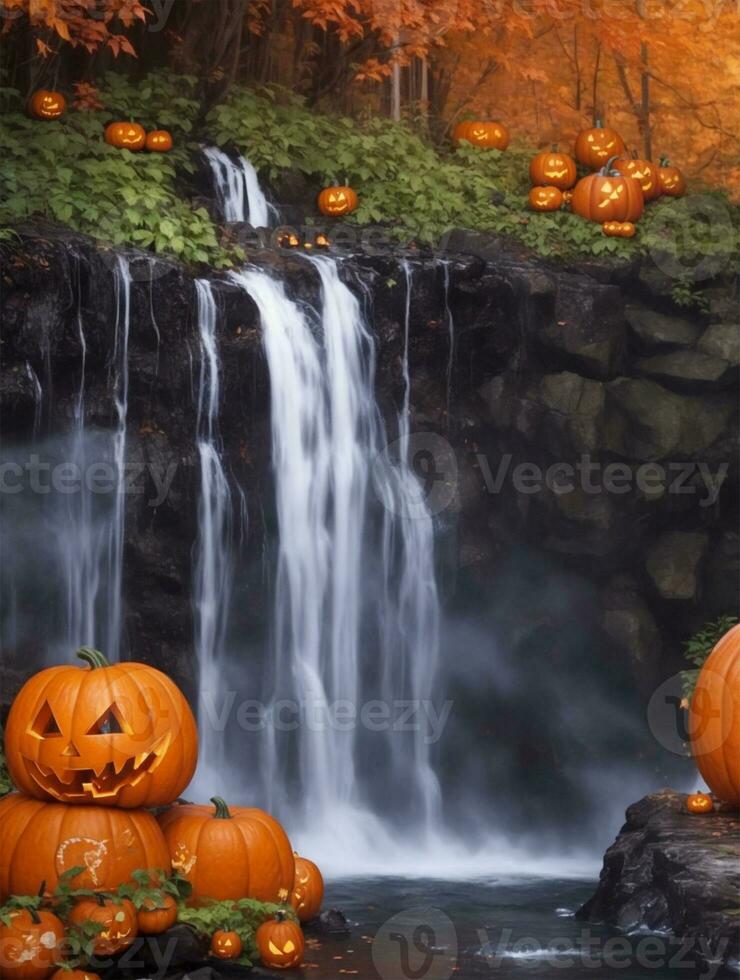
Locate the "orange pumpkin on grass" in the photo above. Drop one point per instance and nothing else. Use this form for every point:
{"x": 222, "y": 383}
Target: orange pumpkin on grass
{"x": 126, "y": 135}
{"x": 118, "y": 920}
{"x": 619, "y": 229}
{"x": 597, "y": 145}
{"x": 486, "y": 135}
{"x": 644, "y": 172}
{"x": 308, "y": 891}
{"x": 158, "y": 141}
{"x": 45, "y": 104}
{"x": 280, "y": 943}
{"x": 672, "y": 181}
{"x": 714, "y": 719}
{"x": 117, "y": 735}
{"x": 39, "y": 842}
{"x": 229, "y": 852}
{"x": 608, "y": 196}
{"x": 31, "y": 944}
{"x": 545, "y": 199}
{"x": 553, "y": 169}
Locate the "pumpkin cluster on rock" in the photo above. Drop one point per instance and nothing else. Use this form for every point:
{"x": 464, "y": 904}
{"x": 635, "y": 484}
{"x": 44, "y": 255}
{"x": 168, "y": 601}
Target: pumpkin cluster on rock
{"x": 614, "y": 195}
{"x": 90, "y": 748}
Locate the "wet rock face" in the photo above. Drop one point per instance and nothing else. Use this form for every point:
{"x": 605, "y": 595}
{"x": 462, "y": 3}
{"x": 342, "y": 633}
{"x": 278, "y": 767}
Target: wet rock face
{"x": 540, "y": 366}
{"x": 675, "y": 872}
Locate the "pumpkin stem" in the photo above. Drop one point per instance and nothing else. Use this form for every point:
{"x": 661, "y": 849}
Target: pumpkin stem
{"x": 280, "y": 916}
{"x": 606, "y": 171}
{"x": 554, "y": 147}
{"x": 598, "y": 124}
{"x": 222, "y": 810}
{"x": 35, "y": 917}
{"x": 664, "y": 162}
{"x": 93, "y": 658}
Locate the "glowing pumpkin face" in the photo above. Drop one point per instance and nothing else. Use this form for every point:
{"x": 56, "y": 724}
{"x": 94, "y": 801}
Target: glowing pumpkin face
{"x": 126, "y": 135}
{"x": 553, "y": 169}
{"x": 487, "y": 135}
{"x": 159, "y": 141}
{"x": 699, "y": 803}
{"x": 337, "y": 201}
{"x": 117, "y": 919}
{"x": 117, "y": 735}
{"x": 226, "y": 945}
{"x": 672, "y": 181}
{"x": 308, "y": 891}
{"x": 545, "y": 199}
{"x": 47, "y": 105}
{"x": 595, "y": 146}
{"x": 280, "y": 943}
{"x": 619, "y": 229}
{"x": 644, "y": 172}
{"x": 607, "y": 196}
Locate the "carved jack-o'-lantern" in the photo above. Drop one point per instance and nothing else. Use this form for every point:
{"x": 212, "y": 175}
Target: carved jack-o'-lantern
{"x": 308, "y": 892}
{"x": 31, "y": 944}
{"x": 488, "y": 135}
{"x": 672, "y": 181}
{"x": 595, "y": 146}
{"x": 118, "y": 920}
{"x": 619, "y": 229}
{"x": 699, "y": 803}
{"x": 280, "y": 943}
{"x": 644, "y": 172}
{"x": 125, "y": 135}
{"x": 226, "y": 945}
{"x": 553, "y": 169}
{"x": 159, "y": 141}
{"x": 545, "y": 199}
{"x": 608, "y": 196}
{"x": 337, "y": 201}
{"x": 47, "y": 105}
{"x": 109, "y": 734}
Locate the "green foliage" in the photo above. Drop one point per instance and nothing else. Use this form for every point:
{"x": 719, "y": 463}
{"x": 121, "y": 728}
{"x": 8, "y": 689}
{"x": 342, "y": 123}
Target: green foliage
{"x": 686, "y": 294}
{"x": 243, "y": 917}
{"x": 699, "y": 646}
{"x": 150, "y": 888}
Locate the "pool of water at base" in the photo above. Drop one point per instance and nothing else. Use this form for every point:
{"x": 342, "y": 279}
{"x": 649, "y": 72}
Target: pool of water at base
{"x": 508, "y": 928}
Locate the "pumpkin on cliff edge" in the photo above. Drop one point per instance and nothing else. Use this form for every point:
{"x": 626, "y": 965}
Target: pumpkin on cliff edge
{"x": 644, "y": 172}
{"x": 714, "y": 719}
{"x": 699, "y": 803}
{"x": 280, "y": 943}
{"x": 335, "y": 202}
{"x": 597, "y": 145}
{"x": 608, "y": 196}
{"x": 553, "y": 169}
{"x": 31, "y": 944}
{"x": 672, "y": 180}
{"x": 40, "y": 841}
{"x": 229, "y": 853}
{"x": 308, "y": 891}
{"x": 118, "y": 735}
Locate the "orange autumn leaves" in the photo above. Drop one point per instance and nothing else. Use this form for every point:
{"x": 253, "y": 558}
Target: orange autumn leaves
{"x": 85, "y": 23}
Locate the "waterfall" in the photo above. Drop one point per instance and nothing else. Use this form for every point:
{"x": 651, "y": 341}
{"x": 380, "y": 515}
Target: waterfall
{"x": 238, "y": 189}
{"x": 213, "y": 566}
{"x": 38, "y": 398}
{"x": 356, "y": 611}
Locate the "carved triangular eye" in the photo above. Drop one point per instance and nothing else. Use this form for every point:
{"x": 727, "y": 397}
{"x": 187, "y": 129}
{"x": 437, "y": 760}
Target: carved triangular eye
{"x": 46, "y": 725}
{"x": 109, "y": 723}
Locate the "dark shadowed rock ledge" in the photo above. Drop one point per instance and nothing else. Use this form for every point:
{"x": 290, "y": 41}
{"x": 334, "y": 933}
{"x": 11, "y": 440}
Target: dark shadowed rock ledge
{"x": 674, "y": 872}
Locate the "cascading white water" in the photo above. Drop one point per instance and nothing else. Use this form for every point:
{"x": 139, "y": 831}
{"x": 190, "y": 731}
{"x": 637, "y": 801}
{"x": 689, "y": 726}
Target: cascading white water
{"x": 238, "y": 189}
{"x": 38, "y": 397}
{"x": 345, "y": 556}
{"x": 213, "y": 566}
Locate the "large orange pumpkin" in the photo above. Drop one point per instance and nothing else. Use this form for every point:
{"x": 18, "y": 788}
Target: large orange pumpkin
{"x": 553, "y": 169}
{"x": 118, "y": 920}
{"x": 597, "y": 145}
{"x": 47, "y": 105}
{"x": 672, "y": 180}
{"x": 308, "y": 891}
{"x": 41, "y": 841}
{"x": 488, "y": 135}
{"x": 31, "y": 944}
{"x": 644, "y": 172}
{"x": 125, "y": 135}
{"x": 607, "y": 196}
{"x": 337, "y": 201}
{"x": 714, "y": 719}
{"x": 115, "y": 735}
{"x": 280, "y": 943}
{"x": 229, "y": 852}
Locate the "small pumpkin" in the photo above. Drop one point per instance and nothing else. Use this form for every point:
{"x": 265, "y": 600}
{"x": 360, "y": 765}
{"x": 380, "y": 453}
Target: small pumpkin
{"x": 644, "y": 172}
{"x": 226, "y": 945}
{"x": 41, "y": 841}
{"x": 545, "y": 199}
{"x": 597, "y": 145}
{"x": 608, "y": 196}
{"x": 118, "y": 920}
{"x": 672, "y": 180}
{"x": 553, "y": 169}
{"x": 118, "y": 735}
{"x": 280, "y": 943}
{"x": 229, "y": 853}
{"x": 31, "y": 944}
{"x": 155, "y": 917}
{"x": 64, "y": 974}
{"x": 487, "y": 135}
{"x": 308, "y": 891}
{"x": 158, "y": 141}
{"x": 619, "y": 229}
{"x": 699, "y": 803}
{"x": 46, "y": 104}
{"x": 714, "y": 719}
{"x": 126, "y": 135}
{"x": 338, "y": 201}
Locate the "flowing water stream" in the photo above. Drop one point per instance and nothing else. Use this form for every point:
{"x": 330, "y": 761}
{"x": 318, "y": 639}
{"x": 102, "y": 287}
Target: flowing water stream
{"x": 238, "y": 189}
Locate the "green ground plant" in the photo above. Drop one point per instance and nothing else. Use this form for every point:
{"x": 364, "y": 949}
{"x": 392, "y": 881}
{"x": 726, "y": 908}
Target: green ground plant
{"x": 698, "y": 647}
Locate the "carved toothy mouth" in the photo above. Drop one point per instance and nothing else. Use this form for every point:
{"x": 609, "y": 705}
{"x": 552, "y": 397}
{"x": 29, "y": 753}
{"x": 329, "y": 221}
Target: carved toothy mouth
{"x": 98, "y": 784}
